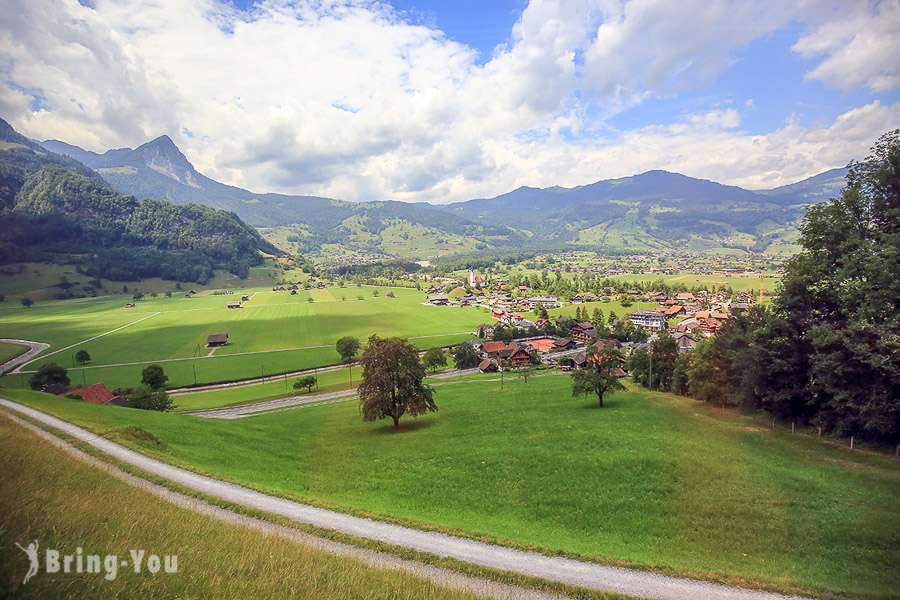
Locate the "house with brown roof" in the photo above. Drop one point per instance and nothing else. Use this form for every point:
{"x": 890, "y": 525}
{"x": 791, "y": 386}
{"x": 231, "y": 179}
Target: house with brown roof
{"x": 516, "y": 354}
{"x": 492, "y": 348}
{"x": 583, "y": 332}
{"x": 216, "y": 339}
{"x": 487, "y": 366}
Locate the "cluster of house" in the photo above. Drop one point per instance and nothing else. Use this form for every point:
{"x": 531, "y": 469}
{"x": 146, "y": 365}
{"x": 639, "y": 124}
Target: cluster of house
{"x": 96, "y": 394}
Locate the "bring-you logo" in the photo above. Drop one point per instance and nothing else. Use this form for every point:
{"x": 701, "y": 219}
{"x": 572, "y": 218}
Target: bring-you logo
{"x": 107, "y": 565}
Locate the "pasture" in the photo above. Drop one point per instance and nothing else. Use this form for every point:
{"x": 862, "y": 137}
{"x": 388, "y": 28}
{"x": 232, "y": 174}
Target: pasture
{"x": 653, "y": 480}
{"x": 65, "y": 504}
{"x": 273, "y": 333}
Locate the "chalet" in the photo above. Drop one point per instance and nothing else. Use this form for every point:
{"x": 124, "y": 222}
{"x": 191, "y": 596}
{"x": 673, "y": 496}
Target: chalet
{"x": 674, "y": 310}
{"x": 129, "y": 305}
{"x": 517, "y": 355}
{"x": 487, "y": 366}
{"x": 738, "y": 307}
{"x": 685, "y": 342}
{"x": 233, "y": 304}
{"x": 293, "y": 292}
{"x": 439, "y": 300}
{"x": 563, "y": 344}
{"x": 96, "y": 394}
{"x": 684, "y": 297}
{"x": 245, "y": 298}
{"x": 649, "y": 319}
{"x": 583, "y": 332}
{"x": 600, "y": 344}
{"x": 493, "y": 348}
{"x": 216, "y": 339}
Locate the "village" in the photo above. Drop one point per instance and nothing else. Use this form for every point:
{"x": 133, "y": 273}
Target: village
{"x": 513, "y": 341}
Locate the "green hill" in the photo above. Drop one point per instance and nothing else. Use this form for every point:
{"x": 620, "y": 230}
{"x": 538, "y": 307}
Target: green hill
{"x": 58, "y": 209}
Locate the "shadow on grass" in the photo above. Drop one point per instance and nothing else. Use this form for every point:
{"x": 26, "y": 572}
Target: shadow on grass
{"x": 607, "y": 403}
{"x": 407, "y": 425}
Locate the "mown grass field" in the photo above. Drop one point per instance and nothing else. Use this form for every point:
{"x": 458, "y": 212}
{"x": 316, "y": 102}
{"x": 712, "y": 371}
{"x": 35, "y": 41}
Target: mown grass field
{"x": 39, "y": 281}
{"x": 49, "y": 496}
{"x": 10, "y": 351}
{"x": 273, "y": 333}
{"x": 652, "y": 479}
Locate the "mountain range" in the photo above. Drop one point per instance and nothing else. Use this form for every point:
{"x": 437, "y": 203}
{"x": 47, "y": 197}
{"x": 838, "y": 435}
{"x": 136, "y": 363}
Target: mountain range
{"x": 656, "y": 209}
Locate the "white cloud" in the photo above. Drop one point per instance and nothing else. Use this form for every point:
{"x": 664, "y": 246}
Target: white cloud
{"x": 344, "y": 98}
{"x": 861, "y": 47}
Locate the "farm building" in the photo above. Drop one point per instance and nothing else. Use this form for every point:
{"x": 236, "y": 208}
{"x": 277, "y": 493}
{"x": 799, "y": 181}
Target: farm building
{"x": 97, "y": 393}
{"x": 487, "y": 366}
{"x": 216, "y": 339}
{"x": 233, "y": 304}
{"x": 245, "y": 298}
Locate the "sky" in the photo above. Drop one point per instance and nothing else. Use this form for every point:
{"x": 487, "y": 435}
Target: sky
{"x": 448, "y": 100}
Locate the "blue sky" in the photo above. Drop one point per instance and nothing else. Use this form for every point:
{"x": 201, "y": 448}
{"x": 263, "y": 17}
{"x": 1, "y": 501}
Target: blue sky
{"x": 440, "y": 101}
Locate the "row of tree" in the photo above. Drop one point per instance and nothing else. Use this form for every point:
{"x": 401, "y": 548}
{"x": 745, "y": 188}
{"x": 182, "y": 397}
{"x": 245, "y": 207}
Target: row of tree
{"x": 827, "y": 351}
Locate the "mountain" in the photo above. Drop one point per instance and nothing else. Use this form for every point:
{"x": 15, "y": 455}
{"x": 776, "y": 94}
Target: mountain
{"x": 158, "y": 169}
{"x": 656, "y": 209}
{"x": 819, "y": 188}
{"x": 57, "y": 208}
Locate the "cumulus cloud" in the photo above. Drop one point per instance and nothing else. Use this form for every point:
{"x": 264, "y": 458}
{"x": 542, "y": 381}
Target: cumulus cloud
{"x": 345, "y": 98}
{"x": 860, "y": 48}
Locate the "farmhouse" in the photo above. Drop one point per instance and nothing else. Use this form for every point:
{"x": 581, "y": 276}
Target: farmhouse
{"x": 515, "y": 354}
{"x": 487, "y": 366}
{"x": 245, "y": 298}
{"x": 439, "y": 300}
{"x": 216, "y": 339}
{"x": 233, "y": 304}
{"x": 492, "y": 348}
{"x": 649, "y": 319}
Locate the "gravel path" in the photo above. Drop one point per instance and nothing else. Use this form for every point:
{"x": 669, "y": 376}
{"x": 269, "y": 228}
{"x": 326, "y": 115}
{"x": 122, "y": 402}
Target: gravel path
{"x": 599, "y": 577}
{"x": 36, "y": 348}
{"x": 379, "y": 560}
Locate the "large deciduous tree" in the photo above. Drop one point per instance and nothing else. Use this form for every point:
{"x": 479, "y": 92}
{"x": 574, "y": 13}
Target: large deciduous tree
{"x": 598, "y": 375}
{"x": 392, "y": 384}
{"x": 49, "y": 374}
{"x": 434, "y": 358}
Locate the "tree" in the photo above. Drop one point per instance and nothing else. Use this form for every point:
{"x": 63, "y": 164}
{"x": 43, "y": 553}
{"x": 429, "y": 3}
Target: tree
{"x": 347, "y": 347}
{"x": 49, "y": 374}
{"x": 597, "y": 376}
{"x": 27, "y": 302}
{"x": 305, "y": 382}
{"x": 392, "y": 383}
{"x": 526, "y": 372}
{"x": 150, "y": 399}
{"x": 138, "y": 295}
{"x": 82, "y": 357}
{"x": 154, "y": 377}
{"x": 464, "y": 356}
{"x": 434, "y": 358}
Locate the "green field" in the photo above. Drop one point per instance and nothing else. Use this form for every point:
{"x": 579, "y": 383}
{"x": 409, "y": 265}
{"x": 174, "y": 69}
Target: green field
{"x": 39, "y": 281}
{"x": 10, "y": 351}
{"x": 652, "y": 479}
{"x": 275, "y": 332}
{"x": 65, "y": 504}
{"x": 738, "y": 283}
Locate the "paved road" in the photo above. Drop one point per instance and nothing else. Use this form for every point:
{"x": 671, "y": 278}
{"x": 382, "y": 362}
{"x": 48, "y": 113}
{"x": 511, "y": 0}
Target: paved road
{"x": 635, "y": 583}
{"x": 294, "y": 402}
{"x": 36, "y": 348}
{"x": 270, "y": 406}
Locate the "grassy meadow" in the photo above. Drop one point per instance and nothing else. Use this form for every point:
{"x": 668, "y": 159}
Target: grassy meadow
{"x": 652, "y": 480}
{"x": 49, "y": 496}
{"x": 273, "y": 333}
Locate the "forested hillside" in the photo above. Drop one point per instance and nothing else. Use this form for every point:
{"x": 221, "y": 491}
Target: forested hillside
{"x": 56, "y": 208}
